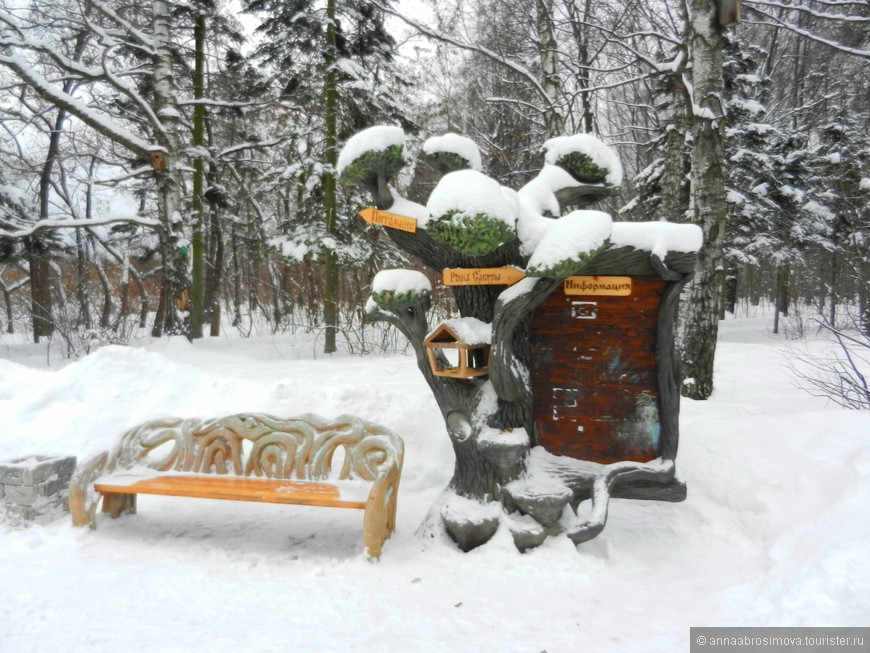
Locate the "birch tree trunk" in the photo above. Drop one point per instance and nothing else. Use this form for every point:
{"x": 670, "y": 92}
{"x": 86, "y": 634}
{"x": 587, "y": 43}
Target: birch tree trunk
{"x": 548, "y": 50}
{"x": 674, "y": 97}
{"x": 173, "y": 245}
{"x": 708, "y": 206}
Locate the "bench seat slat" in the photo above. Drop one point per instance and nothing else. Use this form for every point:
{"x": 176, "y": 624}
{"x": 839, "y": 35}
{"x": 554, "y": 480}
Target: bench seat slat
{"x": 233, "y": 488}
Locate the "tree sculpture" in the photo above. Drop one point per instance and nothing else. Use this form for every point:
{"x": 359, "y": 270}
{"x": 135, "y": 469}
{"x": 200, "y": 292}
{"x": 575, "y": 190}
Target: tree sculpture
{"x": 541, "y": 234}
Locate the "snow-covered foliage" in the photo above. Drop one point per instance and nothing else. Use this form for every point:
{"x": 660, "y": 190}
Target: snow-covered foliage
{"x": 570, "y": 241}
{"x": 401, "y": 281}
{"x": 471, "y": 212}
{"x": 399, "y": 289}
{"x": 461, "y": 151}
{"x": 380, "y": 141}
{"x": 586, "y": 157}
{"x": 15, "y": 215}
{"x": 15, "y": 209}
{"x": 469, "y": 192}
{"x": 752, "y": 156}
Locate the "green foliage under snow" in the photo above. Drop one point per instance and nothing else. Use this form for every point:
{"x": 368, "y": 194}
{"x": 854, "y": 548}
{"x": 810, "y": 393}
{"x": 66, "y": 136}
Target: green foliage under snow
{"x": 582, "y": 168}
{"x": 445, "y": 162}
{"x": 397, "y": 301}
{"x": 366, "y": 168}
{"x": 568, "y": 266}
{"x": 471, "y": 235}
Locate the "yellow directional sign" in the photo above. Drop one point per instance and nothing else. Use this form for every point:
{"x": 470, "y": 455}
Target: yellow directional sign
{"x": 506, "y": 276}
{"x": 600, "y": 286}
{"x": 391, "y": 220}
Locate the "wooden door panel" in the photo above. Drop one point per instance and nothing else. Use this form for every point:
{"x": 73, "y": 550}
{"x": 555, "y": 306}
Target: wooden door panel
{"x": 594, "y": 374}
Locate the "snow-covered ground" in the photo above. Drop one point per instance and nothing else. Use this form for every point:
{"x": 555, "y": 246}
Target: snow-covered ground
{"x": 775, "y": 531}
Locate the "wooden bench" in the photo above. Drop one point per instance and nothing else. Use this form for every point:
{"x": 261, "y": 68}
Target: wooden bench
{"x": 347, "y": 463}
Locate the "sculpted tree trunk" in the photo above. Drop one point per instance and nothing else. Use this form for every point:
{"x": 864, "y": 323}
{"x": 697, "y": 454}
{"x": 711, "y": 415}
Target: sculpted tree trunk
{"x": 483, "y": 238}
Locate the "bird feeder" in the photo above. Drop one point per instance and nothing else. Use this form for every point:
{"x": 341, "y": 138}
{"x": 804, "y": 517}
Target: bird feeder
{"x": 158, "y": 161}
{"x": 463, "y": 346}
{"x": 729, "y": 12}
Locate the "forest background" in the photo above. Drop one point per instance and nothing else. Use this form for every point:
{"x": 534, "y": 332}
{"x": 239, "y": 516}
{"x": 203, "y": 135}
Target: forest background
{"x": 165, "y": 168}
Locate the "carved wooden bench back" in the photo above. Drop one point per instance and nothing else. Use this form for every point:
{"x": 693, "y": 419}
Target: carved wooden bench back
{"x": 261, "y": 446}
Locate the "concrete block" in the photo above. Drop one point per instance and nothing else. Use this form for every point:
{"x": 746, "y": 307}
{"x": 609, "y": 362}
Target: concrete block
{"x": 23, "y": 495}
{"x": 54, "y": 486}
{"x": 23, "y": 516}
{"x": 32, "y": 470}
{"x": 35, "y": 489}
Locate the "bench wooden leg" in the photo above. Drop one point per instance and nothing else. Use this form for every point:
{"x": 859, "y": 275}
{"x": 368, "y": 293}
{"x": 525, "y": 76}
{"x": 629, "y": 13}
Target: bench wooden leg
{"x": 115, "y": 504}
{"x": 380, "y": 516}
{"x": 374, "y": 533}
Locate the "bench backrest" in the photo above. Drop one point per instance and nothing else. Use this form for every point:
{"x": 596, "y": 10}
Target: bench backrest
{"x": 254, "y": 444}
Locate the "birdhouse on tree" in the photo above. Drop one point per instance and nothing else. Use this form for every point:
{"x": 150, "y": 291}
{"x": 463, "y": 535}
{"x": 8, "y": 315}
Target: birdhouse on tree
{"x": 459, "y": 348}
{"x": 729, "y": 12}
{"x": 158, "y": 161}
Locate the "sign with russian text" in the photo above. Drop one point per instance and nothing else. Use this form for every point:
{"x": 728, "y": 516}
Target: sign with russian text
{"x": 598, "y": 286}
{"x": 390, "y": 220}
{"x": 505, "y": 276}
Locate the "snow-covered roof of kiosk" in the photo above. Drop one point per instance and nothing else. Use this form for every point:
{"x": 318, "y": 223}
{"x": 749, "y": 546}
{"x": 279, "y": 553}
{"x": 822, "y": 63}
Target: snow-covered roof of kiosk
{"x": 584, "y": 231}
{"x": 373, "y": 139}
{"x": 455, "y": 144}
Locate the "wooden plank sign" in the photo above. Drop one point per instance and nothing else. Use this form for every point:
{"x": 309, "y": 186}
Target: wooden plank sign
{"x": 505, "y": 276}
{"x": 598, "y": 286}
{"x": 391, "y": 220}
